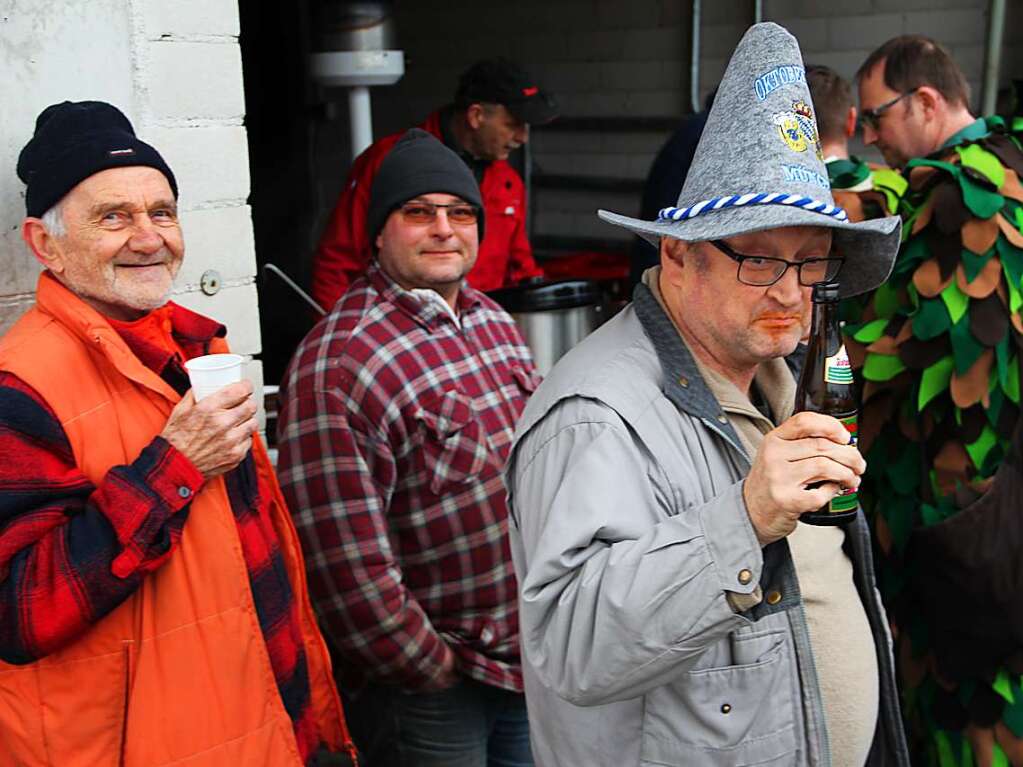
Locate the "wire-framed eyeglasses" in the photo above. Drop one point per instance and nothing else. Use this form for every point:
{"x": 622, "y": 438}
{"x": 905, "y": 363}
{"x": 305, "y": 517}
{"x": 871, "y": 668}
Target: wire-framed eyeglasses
{"x": 872, "y": 117}
{"x": 422, "y": 212}
{"x": 761, "y": 271}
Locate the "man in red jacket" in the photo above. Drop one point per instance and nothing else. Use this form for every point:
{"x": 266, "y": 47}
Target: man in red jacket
{"x": 494, "y": 106}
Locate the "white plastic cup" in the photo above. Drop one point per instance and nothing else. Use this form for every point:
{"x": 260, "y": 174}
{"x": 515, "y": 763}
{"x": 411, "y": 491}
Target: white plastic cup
{"x": 212, "y": 372}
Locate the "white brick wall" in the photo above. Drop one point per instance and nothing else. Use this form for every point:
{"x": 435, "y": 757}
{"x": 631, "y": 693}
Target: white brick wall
{"x": 175, "y": 69}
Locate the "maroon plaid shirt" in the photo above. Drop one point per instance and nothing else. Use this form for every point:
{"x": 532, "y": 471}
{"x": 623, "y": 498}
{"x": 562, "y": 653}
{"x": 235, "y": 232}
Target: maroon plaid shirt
{"x": 395, "y": 425}
{"x": 70, "y": 552}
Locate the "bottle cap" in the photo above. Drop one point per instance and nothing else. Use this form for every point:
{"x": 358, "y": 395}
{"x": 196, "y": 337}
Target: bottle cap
{"x": 824, "y": 292}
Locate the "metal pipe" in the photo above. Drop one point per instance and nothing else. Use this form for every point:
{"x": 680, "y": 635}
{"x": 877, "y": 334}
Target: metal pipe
{"x": 362, "y": 119}
{"x": 992, "y": 56}
{"x": 694, "y": 62}
{"x": 294, "y": 286}
{"x": 758, "y": 11}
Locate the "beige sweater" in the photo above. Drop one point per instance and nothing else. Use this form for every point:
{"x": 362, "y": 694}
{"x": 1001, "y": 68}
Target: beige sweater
{"x": 843, "y": 648}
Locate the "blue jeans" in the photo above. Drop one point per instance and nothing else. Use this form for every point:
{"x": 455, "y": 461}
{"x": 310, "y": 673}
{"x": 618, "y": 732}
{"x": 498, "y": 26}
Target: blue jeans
{"x": 468, "y": 725}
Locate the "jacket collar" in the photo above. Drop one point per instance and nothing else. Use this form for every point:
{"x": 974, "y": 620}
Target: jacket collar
{"x": 682, "y": 382}
{"x": 193, "y": 331}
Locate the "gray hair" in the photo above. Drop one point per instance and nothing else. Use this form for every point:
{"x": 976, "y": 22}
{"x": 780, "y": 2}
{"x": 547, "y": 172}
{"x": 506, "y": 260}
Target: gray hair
{"x": 53, "y": 220}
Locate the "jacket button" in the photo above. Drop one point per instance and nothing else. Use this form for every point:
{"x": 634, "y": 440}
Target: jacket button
{"x": 745, "y": 576}
{"x": 726, "y": 708}
{"x": 683, "y": 382}
{"x": 722, "y": 418}
{"x": 184, "y": 492}
{"x": 773, "y": 597}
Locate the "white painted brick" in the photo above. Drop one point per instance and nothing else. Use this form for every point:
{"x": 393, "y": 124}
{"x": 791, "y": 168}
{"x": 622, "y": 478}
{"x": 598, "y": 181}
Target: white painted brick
{"x": 552, "y": 222}
{"x": 220, "y": 239}
{"x": 195, "y": 80}
{"x": 844, "y": 62}
{"x": 210, "y": 163}
{"x": 856, "y": 32}
{"x": 618, "y": 15}
{"x": 189, "y": 17}
{"x": 811, "y": 33}
{"x": 674, "y": 74}
{"x": 11, "y": 309}
{"x": 568, "y": 77}
{"x": 720, "y": 39}
{"x": 595, "y": 45}
{"x": 949, "y": 27}
{"x": 787, "y": 9}
{"x": 970, "y": 59}
{"x": 643, "y": 143}
{"x": 19, "y": 271}
{"x": 235, "y": 307}
{"x": 657, "y": 103}
{"x": 925, "y": 5}
{"x": 560, "y": 142}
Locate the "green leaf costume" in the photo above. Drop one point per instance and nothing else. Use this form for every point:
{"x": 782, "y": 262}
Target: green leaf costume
{"x": 937, "y": 350}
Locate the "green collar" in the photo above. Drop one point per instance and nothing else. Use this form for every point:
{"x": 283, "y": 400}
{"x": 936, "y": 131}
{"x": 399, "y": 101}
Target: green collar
{"x": 847, "y": 173}
{"x": 972, "y": 132}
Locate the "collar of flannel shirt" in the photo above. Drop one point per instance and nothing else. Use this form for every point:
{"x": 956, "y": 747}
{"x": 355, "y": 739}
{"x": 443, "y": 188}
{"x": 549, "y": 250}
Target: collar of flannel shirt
{"x": 426, "y": 313}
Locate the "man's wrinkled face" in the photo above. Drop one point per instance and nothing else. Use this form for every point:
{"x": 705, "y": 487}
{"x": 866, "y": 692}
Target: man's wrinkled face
{"x": 743, "y": 325}
{"x": 499, "y": 133}
{"x": 436, "y": 254}
{"x": 900, "y": 133}
{"x": 123, "y": 244}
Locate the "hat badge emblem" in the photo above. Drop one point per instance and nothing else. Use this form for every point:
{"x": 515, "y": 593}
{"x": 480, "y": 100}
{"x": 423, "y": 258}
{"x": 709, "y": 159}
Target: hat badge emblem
{"x": 798, "y": 129}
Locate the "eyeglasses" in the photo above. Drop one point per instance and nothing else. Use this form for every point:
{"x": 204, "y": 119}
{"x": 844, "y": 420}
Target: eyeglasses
{"x": 460, "y": 213}
{"x": 872, "y": 117}
{"x": 761, "y": 271}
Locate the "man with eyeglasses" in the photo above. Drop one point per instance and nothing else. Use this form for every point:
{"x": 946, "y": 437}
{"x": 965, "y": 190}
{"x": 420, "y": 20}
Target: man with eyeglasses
{"x": 397, "y": 415}
{"x": 938, "y": 350}
{"x": 673, "y": 609}
{"x": 494, "y": 106}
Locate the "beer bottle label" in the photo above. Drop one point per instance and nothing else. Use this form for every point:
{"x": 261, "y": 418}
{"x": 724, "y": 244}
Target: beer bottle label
{"x": 837, "y": 369}
{"x": 846, "y": 500}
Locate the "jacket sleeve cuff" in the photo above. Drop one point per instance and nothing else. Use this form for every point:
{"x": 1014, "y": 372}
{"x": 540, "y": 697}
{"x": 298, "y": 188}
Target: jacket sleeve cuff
{"x": 733, "y": 545}
{"x": 169, "y": 482}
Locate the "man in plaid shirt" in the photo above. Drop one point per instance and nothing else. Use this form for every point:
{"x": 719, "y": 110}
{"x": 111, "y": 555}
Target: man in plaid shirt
{"x": 397, "y": 413}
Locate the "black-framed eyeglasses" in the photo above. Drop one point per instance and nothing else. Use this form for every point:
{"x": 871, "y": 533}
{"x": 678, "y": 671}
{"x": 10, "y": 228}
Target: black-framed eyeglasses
{"x": 421, "y": 212}
{"x": 761, "y": 271}
{"x": 872, "y": 117}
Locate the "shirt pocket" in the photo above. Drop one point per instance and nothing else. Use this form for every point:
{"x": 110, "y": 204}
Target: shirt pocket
{"x": 726, "y": 716}
{"x": 527, "y": 380}
{"x": 455, "y": 446}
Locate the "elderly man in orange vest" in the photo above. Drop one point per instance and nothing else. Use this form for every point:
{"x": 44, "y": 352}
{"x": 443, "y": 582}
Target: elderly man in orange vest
{"x": 153, "y": 608}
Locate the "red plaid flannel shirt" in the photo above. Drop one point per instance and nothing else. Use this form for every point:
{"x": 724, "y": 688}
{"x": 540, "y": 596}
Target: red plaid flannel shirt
{"x": 70, "y": 552}
{"x": 395, "y": 425}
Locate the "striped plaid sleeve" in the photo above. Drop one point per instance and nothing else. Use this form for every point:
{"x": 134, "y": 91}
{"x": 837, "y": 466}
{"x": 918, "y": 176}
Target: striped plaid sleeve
{"x": 338, "y": 480}
{"x": 70, "y": 552}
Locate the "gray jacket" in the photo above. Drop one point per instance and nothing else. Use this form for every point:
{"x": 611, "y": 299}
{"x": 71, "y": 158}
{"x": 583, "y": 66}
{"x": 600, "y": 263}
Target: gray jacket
{"x": 629, "y": 529}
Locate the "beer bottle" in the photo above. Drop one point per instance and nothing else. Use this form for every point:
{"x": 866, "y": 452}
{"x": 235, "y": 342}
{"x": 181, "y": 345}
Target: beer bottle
{"x": 826, "y": 386}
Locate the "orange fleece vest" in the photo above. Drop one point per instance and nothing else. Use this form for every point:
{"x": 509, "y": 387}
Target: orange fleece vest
{"x": 179, "y": 673}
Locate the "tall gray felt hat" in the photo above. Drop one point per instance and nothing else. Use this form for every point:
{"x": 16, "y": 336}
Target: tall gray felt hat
{"x": 759, "y": 166}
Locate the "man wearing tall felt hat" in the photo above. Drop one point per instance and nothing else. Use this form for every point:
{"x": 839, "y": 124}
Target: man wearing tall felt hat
{"x": 673, "y": 609}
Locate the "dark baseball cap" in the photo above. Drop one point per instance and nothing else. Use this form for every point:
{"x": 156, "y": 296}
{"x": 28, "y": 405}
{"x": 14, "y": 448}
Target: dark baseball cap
{"x": 500, "y": 81}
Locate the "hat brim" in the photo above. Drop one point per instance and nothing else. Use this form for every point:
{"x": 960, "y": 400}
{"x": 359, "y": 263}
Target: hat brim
{"x": 535, "y": 110}
{"x": 869, "y": 247}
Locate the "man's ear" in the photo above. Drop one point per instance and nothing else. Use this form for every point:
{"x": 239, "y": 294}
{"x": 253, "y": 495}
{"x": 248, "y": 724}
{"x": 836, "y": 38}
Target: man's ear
{"x": 674, "y": 255}
{"x": 42, "y": 244}
{"x": 474, "y": 115}
{"x": 850, "y": 122}
{"x": 929, "y": 100}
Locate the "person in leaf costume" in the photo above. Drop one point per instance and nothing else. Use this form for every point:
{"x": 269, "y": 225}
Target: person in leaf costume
{"x": 937, "y": 348}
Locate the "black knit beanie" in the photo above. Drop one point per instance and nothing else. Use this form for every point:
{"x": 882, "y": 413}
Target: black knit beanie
{"x": 419, "y": 164}
{"x": 74, "y": 140}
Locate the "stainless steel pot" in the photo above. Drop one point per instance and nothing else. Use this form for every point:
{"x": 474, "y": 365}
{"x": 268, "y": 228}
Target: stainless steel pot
{"x": 553, "y": 317}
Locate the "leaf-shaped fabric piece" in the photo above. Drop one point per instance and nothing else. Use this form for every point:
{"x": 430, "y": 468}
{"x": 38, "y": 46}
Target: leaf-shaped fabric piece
{"x": 882, "y": 367}
{"x": 972, "y": 263}
{"x": 950, "y": 208}
{"x": 934, "y": 381}
{"x": 921, "y": 217}
{"x": 988, "y": 320}
{"x": 892, "y": 184}
{"x": 1010, "y": 231}
{"x": 918, "y": 355}
{"x": 981, "y": 202}
{"x": 979, "y": 234}
{"x": 976, "y": 157}
{"x": 971, "y": 388}
{"x": 1005, "y": 149}
{"x": 946, "y": 248}
{"x": 931, "y": 320}
{"x": 983, "y": 284}
{"x": 1011, "y": 257}
{"x": 910, "y": 254}
{"x": 1011, "y": 187}
{"x": 886, "y": 300}
{"x": 871, "y": 331}
{"x": 978, "y": 450}
{"x": 955, "y": 300}
{"x": 965, "y": 348}
{"x": 928, "y": 279}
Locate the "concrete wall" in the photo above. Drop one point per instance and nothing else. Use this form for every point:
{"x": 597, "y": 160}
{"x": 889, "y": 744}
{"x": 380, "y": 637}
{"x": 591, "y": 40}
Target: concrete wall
{"x": 175, "y": 69}
{"x": 613, "y": 58}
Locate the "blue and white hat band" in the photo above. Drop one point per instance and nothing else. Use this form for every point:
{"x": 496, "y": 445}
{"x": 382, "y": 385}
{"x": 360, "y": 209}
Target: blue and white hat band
{"x": 742, "y": 200}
